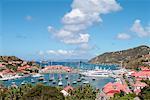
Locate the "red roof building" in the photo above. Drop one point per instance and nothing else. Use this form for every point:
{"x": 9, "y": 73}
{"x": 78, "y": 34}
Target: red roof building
{"x": 67, "y": 88}
{"x": 23, "y": 67}
{"x": 145, "y": 74}
{"x": 138, "y": 86}
{"x": 111, "y": 88}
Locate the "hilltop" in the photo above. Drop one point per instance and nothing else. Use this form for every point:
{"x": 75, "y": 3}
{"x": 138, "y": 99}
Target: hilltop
{"x": 130, "y": 58}
{"x": 14, "y": 64}
{"x": 9, "y": 58}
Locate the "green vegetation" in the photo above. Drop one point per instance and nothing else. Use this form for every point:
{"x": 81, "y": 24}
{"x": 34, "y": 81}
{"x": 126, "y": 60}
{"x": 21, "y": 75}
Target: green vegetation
{"x": 82, "y": 93}
{"x": 9, "y": 58}
{"x": 11, "y": 67}
{"x": 122, "y": 96}
{"x": 131, "y": 58}
{"x": 145, "y": 93}
{"x": 29, "y": 92}
{"x": 42, "y": 92}
{"x": 146, "y": 81}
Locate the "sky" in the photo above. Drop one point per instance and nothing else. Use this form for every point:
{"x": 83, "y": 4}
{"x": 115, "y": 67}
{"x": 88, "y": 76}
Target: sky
{"x": 72, "y": 29}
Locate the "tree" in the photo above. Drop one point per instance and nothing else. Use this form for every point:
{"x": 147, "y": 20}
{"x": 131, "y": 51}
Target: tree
{"x": 145, "y": 93}
{"x": 82, "y": 93}
{"x": 41, "y": 92}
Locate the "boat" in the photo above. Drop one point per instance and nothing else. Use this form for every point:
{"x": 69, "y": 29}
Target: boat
{"x": 44, "y": 81}
{"x": 93, "y": 79}
{"x": 32, "y": 81}
{"x": 97, "y": 73}
{"x": 51, "y": 78}
{"x": 13, "y": 83}
{"x": 74, "y": 82}
{"x": 86, "y": 82}
{"x": 37, "y": 75}
{"x": 9, "y": 77}
{"x": 82, "y": 78}
{"x": 60, "y": 77}
{"x": 66, "y": 77}
{"x": 78, "y": 80}
{"x": 54, "y": 82}
{"x": 68, "y": 83}
{"x": 40, "y": 78}
{"x": 60, "y": 83}
{"x": 23, "y": 83}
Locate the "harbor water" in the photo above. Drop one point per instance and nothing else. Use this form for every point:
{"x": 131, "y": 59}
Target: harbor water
{"x": 97, "y": 83}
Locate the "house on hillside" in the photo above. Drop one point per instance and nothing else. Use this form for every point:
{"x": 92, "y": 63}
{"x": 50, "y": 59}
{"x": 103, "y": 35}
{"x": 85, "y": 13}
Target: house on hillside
{"x": 66, "y": 90}
{"x": 112, "y": 88}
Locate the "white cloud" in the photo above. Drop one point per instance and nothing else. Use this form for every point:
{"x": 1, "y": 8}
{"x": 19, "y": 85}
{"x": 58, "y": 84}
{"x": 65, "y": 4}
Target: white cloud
{"x": 123, "y": 36}
{"x": 139, "y": 29}
{"x": 41, "y": 53}
{"x": 28, "y": 18}
{"x": 61, "y": 52}
{"x": 83, "y": 38}
{"x": 84, "y": 14}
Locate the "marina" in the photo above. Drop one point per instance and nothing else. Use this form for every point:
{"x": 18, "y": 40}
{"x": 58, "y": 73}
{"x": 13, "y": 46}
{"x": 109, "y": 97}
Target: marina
{"x": 85, "y": 74}
{"x": 73, "y": 80}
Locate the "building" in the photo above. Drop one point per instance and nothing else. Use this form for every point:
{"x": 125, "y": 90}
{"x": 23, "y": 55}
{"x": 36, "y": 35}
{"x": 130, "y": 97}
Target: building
{"x": 66, "y": 90}
{"x": 112, "y": 88}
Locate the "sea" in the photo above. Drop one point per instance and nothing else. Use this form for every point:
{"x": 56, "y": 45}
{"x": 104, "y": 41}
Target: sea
{"x": 98, "y": 83}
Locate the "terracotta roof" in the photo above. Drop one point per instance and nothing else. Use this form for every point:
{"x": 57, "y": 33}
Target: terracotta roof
{"x": 139, "y": 84}
{"x": 113, "y": 91}
{"x": 115, "y": 87}
{"x": 67, "y": 88}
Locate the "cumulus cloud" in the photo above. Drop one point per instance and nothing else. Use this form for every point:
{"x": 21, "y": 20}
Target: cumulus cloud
{"x": 123, "y": 36}
{"x": 139, "y": 29}
{"x": 84, "y": 14}
{"x": 61, "y": 52}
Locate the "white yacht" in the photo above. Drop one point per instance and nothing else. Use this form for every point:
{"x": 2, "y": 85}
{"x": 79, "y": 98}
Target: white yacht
{"x": 97, "y": 73}
{"x": 60, "y": 83}
{"x": 37, "y": 75}
{"x": 86, "y": 82}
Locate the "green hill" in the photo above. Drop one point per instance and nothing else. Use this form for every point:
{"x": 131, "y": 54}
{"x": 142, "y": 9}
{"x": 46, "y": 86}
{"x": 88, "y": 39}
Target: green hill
{"x": 130, "y": 58}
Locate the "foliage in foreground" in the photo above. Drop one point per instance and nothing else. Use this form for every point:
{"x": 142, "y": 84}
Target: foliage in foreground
{"x": 29, "y": 92}
{"x": 121, "y": 96}
{"x": 145, "y": 93}
{"x": 82, "y": 93}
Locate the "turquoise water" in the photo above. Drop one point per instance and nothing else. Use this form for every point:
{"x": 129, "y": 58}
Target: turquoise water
{"x": 80, "y": 65}
{"x": 98, "y": 83}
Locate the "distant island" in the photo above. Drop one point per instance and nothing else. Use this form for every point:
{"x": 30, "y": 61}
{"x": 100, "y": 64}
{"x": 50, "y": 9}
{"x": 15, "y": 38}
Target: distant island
{"x": 130, "y": 58}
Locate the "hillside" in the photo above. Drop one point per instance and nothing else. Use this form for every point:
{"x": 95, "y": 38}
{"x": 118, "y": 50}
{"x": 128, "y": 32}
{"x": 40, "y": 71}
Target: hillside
{"x": 9, "y": 58}
{"x": 12, "y": 63}
{"x": 129, "y": 58}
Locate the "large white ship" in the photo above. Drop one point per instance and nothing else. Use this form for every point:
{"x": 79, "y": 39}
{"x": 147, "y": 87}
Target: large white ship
{"x": 97, "y": 73}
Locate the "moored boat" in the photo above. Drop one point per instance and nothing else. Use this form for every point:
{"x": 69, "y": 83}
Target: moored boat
{"x": 86, "y": 82}
{"x": 32, "y": 81}
{"x": 97, "y": 73}
{"x": 60, "y": 83}
{"x": 37, "y": 75}
{"x": 74, "y": 82}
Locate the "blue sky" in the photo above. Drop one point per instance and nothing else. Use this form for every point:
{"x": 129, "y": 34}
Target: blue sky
{"x": 44, "y": 29}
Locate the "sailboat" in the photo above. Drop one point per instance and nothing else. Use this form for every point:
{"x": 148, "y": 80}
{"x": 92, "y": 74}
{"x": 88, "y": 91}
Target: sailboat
{"x": 60, "y": 83}
{"x": 51, "y": 78}
{"x": 44, "y": 81}
{"x": 66, "y": 77}
{"x": 68, "y": 82}
{"x": 32, "y": 81}
{"x": 60, "y": 77}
